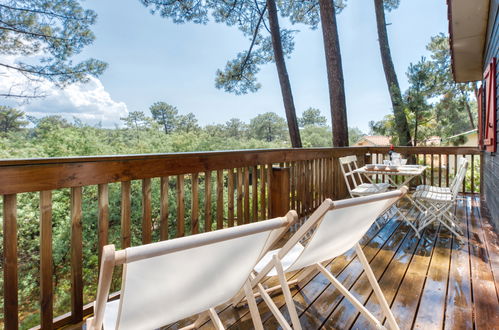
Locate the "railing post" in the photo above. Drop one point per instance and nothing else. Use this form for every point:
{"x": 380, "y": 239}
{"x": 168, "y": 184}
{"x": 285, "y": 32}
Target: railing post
{"x": 279, "y": 191}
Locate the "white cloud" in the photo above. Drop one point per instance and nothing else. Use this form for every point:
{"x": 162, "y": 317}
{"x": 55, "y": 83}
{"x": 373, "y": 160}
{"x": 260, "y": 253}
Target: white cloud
{"x": 89, "y": 102}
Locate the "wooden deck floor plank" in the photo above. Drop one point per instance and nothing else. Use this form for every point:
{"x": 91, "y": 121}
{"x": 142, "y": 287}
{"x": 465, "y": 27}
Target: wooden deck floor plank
{"x": 484, "y": 292}
{"x": 315, "y": 284}
{"x": 491, "y": 242}
{"x": 430, "y": 314}
{"x": 459, "y": 305}
{"x": 406, "y": 300}
{"x": 393, "y": 277}
{"x": 344, "y": 314}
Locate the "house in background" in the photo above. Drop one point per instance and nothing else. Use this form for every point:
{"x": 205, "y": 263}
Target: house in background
{"x": 465, "y": 139}
{"x": 474, "y": 42}
{"x": 373, "y": 141}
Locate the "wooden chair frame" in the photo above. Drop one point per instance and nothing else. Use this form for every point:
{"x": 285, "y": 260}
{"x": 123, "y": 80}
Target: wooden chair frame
{"x": 311, "y": 223}
{"x": 112, "y": 258}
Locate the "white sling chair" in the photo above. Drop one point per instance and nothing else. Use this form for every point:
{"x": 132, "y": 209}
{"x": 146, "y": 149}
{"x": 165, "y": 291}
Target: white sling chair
{"x": 354, "y": 181}
{"x": 437, "y": 206}
{"x": 171, "y": 280}
{"x": 445, "y": 190}
{"x": 338, "y": 227}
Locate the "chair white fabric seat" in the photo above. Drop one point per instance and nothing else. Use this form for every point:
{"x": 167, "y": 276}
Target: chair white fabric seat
{"x": 433, "y": 196}
{"x": 287, "y": 261}
{"x": 365, "y": 189}
{"x": 111, "y": 314}
{"x": 441, "y": 190}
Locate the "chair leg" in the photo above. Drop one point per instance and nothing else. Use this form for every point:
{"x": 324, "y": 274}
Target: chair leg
{"x": 357, "y": 304}
{"x": 273, "y": 308}
{"x": 255, "y": 314}
{"x": 287, "y": 294}
{"x": 377, "y": 290}
{"x": 215, "y": 319}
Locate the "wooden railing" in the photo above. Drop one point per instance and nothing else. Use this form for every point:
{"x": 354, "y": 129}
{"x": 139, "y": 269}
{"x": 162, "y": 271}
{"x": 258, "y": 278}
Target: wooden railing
{"x": 179, "y": 194}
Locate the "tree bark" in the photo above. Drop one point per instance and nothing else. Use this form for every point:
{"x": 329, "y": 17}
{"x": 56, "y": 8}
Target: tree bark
{"x": 287, "y": 95}
{"x": 334, "y": 73}
{"x": 391, "y": 77}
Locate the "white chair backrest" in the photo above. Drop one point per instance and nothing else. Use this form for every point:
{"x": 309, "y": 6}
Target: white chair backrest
{"x": 460, "y": 164}
{"x": 168, "y": 281}
{"x": 342, "y": 227}
{"x": 459, "y": 178}
{"x": 348, "y": 165}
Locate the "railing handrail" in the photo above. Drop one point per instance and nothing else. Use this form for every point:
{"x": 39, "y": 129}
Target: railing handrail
{"x": 38, "y": 174}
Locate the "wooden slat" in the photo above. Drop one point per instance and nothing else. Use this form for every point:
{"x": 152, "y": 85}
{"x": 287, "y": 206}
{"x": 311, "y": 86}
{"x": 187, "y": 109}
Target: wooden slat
{"x": 293, "y": 185}
{"x": 125, "y": 214}
{"x": 146, "y": 212}
{"x": 240, "y": 196}
{"x": 263, "y": 185}
{"x": 254, "y": 193}
{"x": 207, "y": 201}
{"x": 472, "y": 165}
{"x": 425, "y": 173}
{"x": 269, "y": 194}
{"x": 103, "y": 222}
{"x": 10, "y": 272}
{"x": 180, "y": 206}
{"x": 163, "y": 208}
{"x": 76, "y": 255}
{"x": 230, "y": 199}
{"x": 46, "y": 287}
{"x": 432, "y": 167}
{"x": 440, "y": 170}
{"x": 484, "y": 291}
{"x": 220, "y": 199}
{"x": 246, "y": 196}
{"x": 195, "y": 203}
{"x": 447, "y": 167}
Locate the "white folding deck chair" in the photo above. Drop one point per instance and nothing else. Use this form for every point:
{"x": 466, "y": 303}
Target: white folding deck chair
{"x": 338, "y": 226}
{"x": 445, "y": 190}
{"x": 437, "y": 206}
{"x": 354, "y": 181}
{"x": 171, "y": 280}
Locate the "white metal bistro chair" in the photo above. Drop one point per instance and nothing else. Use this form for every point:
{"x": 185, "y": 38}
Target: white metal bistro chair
{"x": 338, "y": 227}
{"x": 171, "y": 280}
{"x": 445, "y": 190}
{"x": 355, "y": 183}
{"x": 437, "y": 206}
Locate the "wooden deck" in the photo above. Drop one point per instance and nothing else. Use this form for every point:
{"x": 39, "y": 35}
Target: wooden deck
{"x": 434, "y": 282}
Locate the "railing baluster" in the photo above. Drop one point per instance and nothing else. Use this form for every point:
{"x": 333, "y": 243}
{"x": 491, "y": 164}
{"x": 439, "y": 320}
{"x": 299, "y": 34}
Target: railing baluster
{"x": 146, "y": 212}
{"x": 425, "y": 173}
{"x": 268, "y": 175}
{"x": 240, "y": 196}
{"x": 163, "y": 208}
{"x": 46, "y": 288}
{"x": 207, "y": 201}
{"x": 263, "y": 209}
{"x": 447, "y": 171}
{"x": 10, "y": 272}
{"x": 195, "y": 203}
{"x": 180, "y": 206}
{"x": 230, "y": 199}
{"x": 220, "y": 199}
{"x": 125, "y": 214}
{"x": 439, "y": 170}
{"x": 246, "y": 196}
{"x": 76, "y": 255}
{"x": 254, "y": 193}
{"x": 432, "y": 169}
{"x": 103, "y": 221}
{"x": 472, "y": 174}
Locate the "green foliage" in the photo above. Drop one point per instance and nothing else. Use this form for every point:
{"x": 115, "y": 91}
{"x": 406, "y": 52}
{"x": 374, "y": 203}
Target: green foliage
{"x": 165, "y": 115}
{"x": 434, "y": 103}
{"x": 50, "y": 33}
{"x": 316, "y": 136}
{"x": 354, "y": 135}
{"x": 312, "y": 116}
{"x": 268, "y": 127}
{"x": 11, "y": 119}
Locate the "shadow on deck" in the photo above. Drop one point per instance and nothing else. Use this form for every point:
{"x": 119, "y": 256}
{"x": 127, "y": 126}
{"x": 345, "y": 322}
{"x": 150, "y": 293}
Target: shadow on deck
{"x": 434, "y": 282}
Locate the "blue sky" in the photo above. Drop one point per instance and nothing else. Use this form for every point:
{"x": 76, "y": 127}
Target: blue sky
{"x": 151, "y": 59}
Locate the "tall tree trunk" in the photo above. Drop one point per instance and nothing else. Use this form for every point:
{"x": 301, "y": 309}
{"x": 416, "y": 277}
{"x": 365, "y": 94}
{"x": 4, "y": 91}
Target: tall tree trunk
{"x": 468, "y": 108}
{"x": 391, "y": 77}
{"x": 334, "y": 73}
{"x": 287, "y": 95}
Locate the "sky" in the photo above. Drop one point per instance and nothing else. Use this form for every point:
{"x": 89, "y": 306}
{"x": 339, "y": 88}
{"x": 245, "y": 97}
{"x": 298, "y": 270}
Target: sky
{"x": 152, "y": 59}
